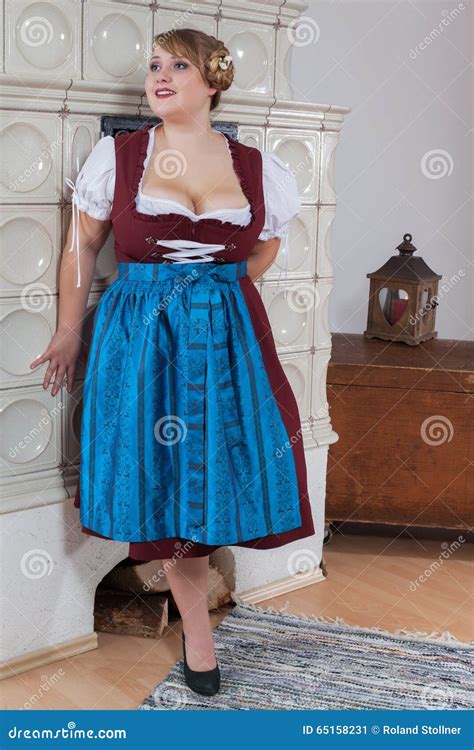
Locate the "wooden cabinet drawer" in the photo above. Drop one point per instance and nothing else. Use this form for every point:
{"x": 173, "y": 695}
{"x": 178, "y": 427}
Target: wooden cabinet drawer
{"x": 404, "y": 416}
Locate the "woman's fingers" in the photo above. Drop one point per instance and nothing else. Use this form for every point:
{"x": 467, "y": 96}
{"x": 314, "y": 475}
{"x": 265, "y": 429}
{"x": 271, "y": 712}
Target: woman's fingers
{"x": 58, "y": 379}
{"x": 60, "y": 364}
{"x": 48, "y": 375}
{"x": 40, "y": 359}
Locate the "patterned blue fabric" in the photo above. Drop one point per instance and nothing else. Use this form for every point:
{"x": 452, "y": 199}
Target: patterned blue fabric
{"x": 181, "y": 434}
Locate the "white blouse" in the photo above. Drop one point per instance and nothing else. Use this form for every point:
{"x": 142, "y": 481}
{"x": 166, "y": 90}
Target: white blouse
{"x": 94, "y": 190}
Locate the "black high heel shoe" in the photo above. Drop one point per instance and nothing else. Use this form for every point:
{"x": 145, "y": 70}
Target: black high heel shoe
{"x": 205, "y": 683}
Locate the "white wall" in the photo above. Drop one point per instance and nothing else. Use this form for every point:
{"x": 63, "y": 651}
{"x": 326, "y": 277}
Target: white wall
{"x": 406, "y": 101}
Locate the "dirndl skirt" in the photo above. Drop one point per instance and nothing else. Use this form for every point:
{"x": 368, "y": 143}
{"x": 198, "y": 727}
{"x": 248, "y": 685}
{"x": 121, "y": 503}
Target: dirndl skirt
{"x": 181, "y": 434}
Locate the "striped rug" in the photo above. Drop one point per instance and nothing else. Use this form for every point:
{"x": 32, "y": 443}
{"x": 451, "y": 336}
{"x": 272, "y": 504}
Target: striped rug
{"x": 273, "y": 660}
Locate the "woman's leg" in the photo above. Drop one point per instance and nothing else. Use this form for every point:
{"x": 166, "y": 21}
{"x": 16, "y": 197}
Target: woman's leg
{"x": 188, "y": 580}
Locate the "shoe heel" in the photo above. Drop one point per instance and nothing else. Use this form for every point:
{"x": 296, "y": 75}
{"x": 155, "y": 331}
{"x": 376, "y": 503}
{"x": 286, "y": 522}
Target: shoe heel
{"x": 204, "y": 683}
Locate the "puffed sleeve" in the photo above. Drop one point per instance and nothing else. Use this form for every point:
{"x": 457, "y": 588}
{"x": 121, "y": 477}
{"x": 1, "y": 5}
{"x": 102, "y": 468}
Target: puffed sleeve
{"x": 93, "y": 191}
{"x": 95, "y": 182}
{"x": 282, "y": 200}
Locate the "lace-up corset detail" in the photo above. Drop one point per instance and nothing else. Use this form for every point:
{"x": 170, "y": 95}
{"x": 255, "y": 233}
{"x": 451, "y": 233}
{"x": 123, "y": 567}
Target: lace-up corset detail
{"x": 173, "y": 236}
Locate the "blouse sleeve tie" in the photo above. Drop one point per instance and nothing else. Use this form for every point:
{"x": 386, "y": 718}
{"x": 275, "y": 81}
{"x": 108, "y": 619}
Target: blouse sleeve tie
{"x": 75, "y": 228}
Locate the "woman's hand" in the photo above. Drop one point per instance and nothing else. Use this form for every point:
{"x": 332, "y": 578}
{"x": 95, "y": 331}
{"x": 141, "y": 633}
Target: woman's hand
{"x": 62, "y": 353}
{"x": 65, "y": 346}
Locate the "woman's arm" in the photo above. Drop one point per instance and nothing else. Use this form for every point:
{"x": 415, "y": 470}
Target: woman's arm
{"x": 262, "y": 257}
{"x": 72, "y": 300}
{"x": 64, "y": 348}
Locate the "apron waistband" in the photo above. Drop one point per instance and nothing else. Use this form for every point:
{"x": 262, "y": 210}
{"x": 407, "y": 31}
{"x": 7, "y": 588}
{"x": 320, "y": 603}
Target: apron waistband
{"x": 181, "y": 271}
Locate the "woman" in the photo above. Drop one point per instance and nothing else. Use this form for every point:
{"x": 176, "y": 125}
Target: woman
{"x": 191, "y": 437}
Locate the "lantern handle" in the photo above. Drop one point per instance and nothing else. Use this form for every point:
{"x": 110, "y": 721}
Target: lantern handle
{"x": 406, "y": 247}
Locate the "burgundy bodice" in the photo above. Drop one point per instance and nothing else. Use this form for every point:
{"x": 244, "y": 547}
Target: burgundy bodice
{"x": 136, "y": 234}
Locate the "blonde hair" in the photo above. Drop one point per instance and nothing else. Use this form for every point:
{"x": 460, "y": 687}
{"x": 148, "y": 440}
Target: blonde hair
{"x": 204, "y": 51}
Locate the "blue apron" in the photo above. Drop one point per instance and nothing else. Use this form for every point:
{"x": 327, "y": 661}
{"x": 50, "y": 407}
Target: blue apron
{"x": 181, "y": 435}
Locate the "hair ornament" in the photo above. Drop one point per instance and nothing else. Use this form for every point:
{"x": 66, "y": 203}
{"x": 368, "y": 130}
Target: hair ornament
{"x": 224, "y": 61}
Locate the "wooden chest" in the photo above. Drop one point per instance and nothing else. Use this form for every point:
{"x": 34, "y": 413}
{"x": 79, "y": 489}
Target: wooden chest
{"x": 404, "y": 416}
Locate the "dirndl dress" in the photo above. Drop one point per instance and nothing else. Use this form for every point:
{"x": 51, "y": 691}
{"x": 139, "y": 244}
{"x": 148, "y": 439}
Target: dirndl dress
{"x": 190, "y": 432}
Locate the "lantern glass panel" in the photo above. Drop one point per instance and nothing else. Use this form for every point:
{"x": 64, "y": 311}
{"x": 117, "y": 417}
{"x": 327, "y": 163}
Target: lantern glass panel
{"x": 393, "y": 303}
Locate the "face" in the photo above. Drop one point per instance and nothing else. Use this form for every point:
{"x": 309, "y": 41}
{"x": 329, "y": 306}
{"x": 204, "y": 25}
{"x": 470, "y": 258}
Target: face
{"x": 185, "y": 90}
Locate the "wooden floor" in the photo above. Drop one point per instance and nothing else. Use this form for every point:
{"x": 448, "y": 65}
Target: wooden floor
{"x": 372, "y": 581}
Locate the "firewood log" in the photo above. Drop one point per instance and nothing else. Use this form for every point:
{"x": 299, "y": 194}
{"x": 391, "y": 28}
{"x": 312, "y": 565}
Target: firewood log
{"x": 149, "y": 578}
{"x": 130, "y": 614}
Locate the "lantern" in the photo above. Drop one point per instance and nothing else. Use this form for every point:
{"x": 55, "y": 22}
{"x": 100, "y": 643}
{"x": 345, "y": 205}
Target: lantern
{"x": 403, "y": 298}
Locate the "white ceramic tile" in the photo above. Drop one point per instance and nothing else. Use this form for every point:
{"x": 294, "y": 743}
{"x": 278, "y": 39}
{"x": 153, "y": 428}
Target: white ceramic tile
{"x": 319, "y": 403}
{"x": 300, "y": 246}
{"x": 291, "y": 313}
{"x": 253, "y": 47}
{"x": 324, "y": 267}
{"x": 185, "y": 15}
{"x": 30, "y": 250}
{"x": 27, "y": 326}
{"x": 72, "y": 412}
{"x": 322, "y": 335}
{"x": 300, "y": 151}
{"x": 31, "y": 147}
{"x": 252, "y": 136}
{"x": 327, "y": 192}
{"x": 283, "y": 86}
{"x": 2, "y": 45}
{"x": 30, "y": 426}
{"x": 43, "y": 39}
{"x": 117, "y": 42}
{"x": 80, "y": 134}
{"x": 71, "y": 425}
{"x": 297, "y": 368}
